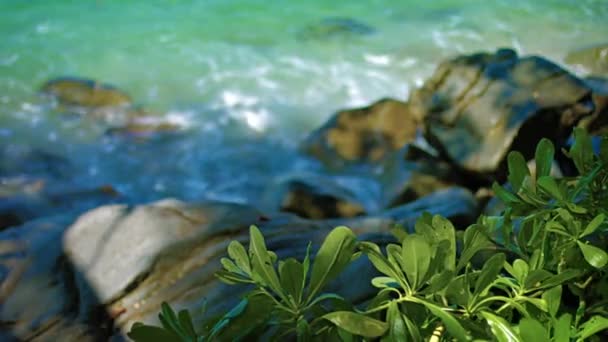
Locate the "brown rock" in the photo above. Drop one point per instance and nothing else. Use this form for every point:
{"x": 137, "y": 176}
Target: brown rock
{"x": 365, "y": 134}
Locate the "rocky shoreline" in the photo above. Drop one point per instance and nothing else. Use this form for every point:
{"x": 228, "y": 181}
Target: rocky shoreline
{"x": 91, "y": 276}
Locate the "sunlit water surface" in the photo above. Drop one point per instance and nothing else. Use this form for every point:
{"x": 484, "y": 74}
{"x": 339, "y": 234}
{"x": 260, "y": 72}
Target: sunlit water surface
{"x": 249, "y": 78}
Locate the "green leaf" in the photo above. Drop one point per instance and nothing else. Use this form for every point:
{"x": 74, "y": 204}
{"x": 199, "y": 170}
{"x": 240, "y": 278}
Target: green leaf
{"x": 474, "y": 240}
{"x": 146, "y": 333}
{"x": 439, "y": 281}
{"x": 303, "y": 330}
{"x": 397, "y": 331}
{"x": 380, "y": 262}
{"x": 262, "y": 261}
{"x": 458, "y": 291}
{"x": 595, "y": 256}
{"x": 548, "y": 184}
{"x": 544, "y": 157}
{"x": 228, "y": 317}
{"x": 532, "y": 330}
{"x": 416, "y": 256}
{"x": 502, "y": 330}
{"x": 384, "y": 282}
{"x": 170, "y": 321}
{"x": 357, "y": 324}
{"x": 413, "y": 329}
{"x": 519, "y": 271}
{"x": 581, "y": 151}
{"x": 504, "y": 195}
{"x": 291, "y": 274}
{"x": 593, "y": 225}
{"x": 536, "y": 278}
{"x": 518, "y": 170}
{"x": 238, "y": 253}
{"x": 563, "y": 328}
{"x": 563, "y": 277}
{"x": 257, "y": 312}
{"x": 333, "y": 256}
{"x": 553, "y": 299}
{"x": 231, "y": 278}
{"x": 185, "y": 322}
{"x": 594, "y": 325}
{"x": 230, "y": 266}
{"x": 491, "y": 269}
{"x": 451, "y": 323}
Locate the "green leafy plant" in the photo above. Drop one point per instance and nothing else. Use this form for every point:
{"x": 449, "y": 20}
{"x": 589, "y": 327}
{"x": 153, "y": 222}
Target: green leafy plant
{"x": 535, "y": 273}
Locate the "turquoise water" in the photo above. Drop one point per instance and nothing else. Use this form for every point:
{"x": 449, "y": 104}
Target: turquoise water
{"x": 248, "y": 78}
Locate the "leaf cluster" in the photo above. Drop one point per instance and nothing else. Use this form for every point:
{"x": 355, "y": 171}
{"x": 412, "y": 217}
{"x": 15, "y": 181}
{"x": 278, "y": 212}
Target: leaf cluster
{"x": 535, "y": 273}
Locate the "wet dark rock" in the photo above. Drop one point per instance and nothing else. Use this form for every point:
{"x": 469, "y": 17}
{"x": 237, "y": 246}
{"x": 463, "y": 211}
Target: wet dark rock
{"x": 413, "y": 173}
{"x": 74, "y": 91}
{"x": 594, "y": 59}
{"x": 314, "y": 197}
{"x": 456, "y": 203}
{"x": 366, "y": 134}
{"x": 480, "y": 106}
{"x": 335, "y": 27}
{"x": 597, "y": 122}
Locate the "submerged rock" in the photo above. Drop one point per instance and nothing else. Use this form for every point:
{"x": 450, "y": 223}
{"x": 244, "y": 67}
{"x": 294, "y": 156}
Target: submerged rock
{"x": 594, "y": 59}
{"x": 334, "y": 27}
{"x": 479, "y": 107}
{"x": 73, "y": 91}
{"x": 365, "y": 134}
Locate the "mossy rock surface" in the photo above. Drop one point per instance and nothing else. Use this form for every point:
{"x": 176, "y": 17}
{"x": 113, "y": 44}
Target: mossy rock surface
{"x": 366, "y": 134}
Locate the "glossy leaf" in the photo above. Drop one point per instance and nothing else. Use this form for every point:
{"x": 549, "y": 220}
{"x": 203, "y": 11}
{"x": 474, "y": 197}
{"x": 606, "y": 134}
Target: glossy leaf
{"x": 544, "y": 157}
{"x": 595, "y": 256}
{"x": 357, "y": 324}
{"x": 262, "y": 263}
{"x": 416, "y": 256}
{"x": 335, "y": 253}
{"x": 397, "y": 331}
{"x": 489, "y": 272}
{"x": 384, "y": 282}
{"x": 594, "y": 325}
{"x": 451, "y": 323}
{"x": 474, "y": 241}
{"x": 581, "y": 151}
{"x": 553, "y": 298}
{"x": 440, "y": 281}
{"x": 533, "y": 330}
{"x": 518, "y": 170}
{"x": 563, "y": 328}
{"x": 549, "y": 185}
{"x": 291, "y": 275}
{"x": 379, "y": 261}
{"x": 504, "y": 195}
{"x": 502, "y": 330}
{"x": 593, "y": 225}
{"x": 238, "y": 253}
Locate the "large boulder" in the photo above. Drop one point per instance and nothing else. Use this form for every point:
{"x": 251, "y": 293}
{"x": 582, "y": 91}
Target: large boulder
{"x": 594, "y": 59}
{"x": 366, "y": 134}
{"x": 116, "y": 264}
{"x": 479, "y": 107}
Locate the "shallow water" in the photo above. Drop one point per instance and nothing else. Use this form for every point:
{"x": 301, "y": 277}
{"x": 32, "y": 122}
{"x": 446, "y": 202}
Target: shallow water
{"x": 250, "y": 78}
